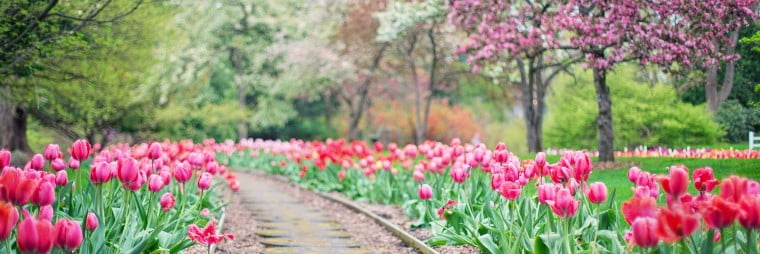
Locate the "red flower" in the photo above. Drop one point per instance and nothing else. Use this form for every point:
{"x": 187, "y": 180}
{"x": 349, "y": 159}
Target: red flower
{"x": 34, "y": 236}
{"x": 81, "y": 149}
{"x": 425, "y": 191}
{"x": 510, "y": 190}
{"x": 676, "y": 183}
{"x": 597, "y": 192}
{"x": 719, "y": 213}
{"x": 675, "y": 224}
{"x": 8, "y": 219}
{"x": 564, "y": 205}
{"x": 704, "y": 180}
{"x": 749, "y": 212}
{"x": 206, "y": 235}
{"x": 5, "y": 158}
{"x": 733, "y": 188}
{"x": 68, "y": 235}
{"x": 639, "y": 207}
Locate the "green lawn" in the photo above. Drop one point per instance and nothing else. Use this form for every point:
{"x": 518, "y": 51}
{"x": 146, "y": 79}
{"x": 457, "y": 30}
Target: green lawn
{"x": 617, "y": 179}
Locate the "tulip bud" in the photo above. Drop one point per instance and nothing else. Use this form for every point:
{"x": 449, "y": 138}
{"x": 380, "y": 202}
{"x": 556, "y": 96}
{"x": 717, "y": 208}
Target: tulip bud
{"x": 167, "y": 201}
{"x": 58, "y": 164}
{"x": 37, "y": 162}
{"x": 101, "y": 173}
{"x": 44, "y": 194}
{"x": 597, "y": 192}
{"x": 154, "y": 151}
{"x": 81, "y": 149}
{"x": 127, "y": 170}
{"x": 155, "y": 183}
{"x": 644, "y": 230}
{"x": 204, "y": 182}
{"x": 52, "y": 152}
{"x": 425, "y": 191}
{"x": 46, "y": 213}
{"x": 73, "y": 163}
{"x": 68, "y": 235}
{"x": 91, "y": 222}
{"x": 5, "y": 158}
{"x": 182, "y": 172}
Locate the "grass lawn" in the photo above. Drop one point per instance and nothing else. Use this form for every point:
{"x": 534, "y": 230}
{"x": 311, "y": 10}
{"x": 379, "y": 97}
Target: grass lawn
{"x": 617, "y": 179}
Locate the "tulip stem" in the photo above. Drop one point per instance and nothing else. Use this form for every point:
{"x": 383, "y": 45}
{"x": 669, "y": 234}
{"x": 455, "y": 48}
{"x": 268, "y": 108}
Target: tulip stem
{"x": 723, "y": 243}
{"x": 7, "y": 245}
{"x": 751, "y": 242}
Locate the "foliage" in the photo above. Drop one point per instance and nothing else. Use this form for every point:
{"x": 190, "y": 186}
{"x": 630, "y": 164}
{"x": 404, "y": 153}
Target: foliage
{"x": 217, "y": 121}
{"x": 738, "y": 120}
{"x": 446, "y": 121}
{"x": 644, "y": 114}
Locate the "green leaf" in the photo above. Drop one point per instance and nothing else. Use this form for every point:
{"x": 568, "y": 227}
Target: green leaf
{"x": 539, "y": 247}
{"x": 488, "y": 244}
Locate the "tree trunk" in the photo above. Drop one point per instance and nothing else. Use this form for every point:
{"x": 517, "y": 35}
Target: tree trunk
{"x": 431, "y": 82}
{"x": 356, "y": 113}
{"x": 713, "y": 95}
{"x": 236, "y": 60}
{"x": 13, "y": 119}
{"x": 532, "y": 101}
{"x": 604, "y": 119}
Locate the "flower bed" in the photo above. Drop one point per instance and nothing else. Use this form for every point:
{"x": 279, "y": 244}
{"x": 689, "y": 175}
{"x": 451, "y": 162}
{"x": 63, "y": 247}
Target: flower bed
{"x": 490, "y": 199}
{"x": 134, "y": 199}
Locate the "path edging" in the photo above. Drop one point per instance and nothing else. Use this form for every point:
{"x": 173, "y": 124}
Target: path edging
{"x": 393, "y": 228}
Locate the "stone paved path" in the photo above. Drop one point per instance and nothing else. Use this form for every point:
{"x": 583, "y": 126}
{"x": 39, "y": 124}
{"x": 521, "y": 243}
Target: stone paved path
{"x": 286, "y": 225}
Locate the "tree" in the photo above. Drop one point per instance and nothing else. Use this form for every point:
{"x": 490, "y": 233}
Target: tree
{"x": 31, "y": 31}
{"x": 521, "y": 36}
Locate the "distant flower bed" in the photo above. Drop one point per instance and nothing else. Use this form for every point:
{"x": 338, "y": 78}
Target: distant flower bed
{"x": 697, "y": 153}
{"x": 133, "y": 199}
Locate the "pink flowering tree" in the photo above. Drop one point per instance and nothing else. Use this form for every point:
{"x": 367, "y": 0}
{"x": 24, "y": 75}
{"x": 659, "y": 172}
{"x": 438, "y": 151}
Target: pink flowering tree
{"x": 670, "y": 33}
{"x": 523, "y": 35}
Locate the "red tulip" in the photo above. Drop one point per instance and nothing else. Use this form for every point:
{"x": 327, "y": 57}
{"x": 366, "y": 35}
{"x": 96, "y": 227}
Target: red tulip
{"x": 167, "y": 201}
{"x": 34, "y": 236}
{"x": 58, "y": 164}
{"x": 378, "y": 146}
{"x": 137, "y": 184}
{"x": 425, "y": 191}
{"x": 68, "y": 235}
{"x": 704, "y": 180}
{"x": 91, "y": 223}
{"x": 676, "y": 183}
{"x": 234, "y": 185}
{"x": 720, "y": 213}
{"x": 52, "y": 152}
{"x": 564, "y": 205}
{"x": 597, "y": 192}
{"x": 154, "y": 151}
{"x": 733, "y": 188}
{"x": 127, "y": 170}
{"x": 510, "y": 190}
{"x": 37, "y": 162}
{"x": 673, "y": 225}
{"x": 547, "y": 192}
{"x": 213, "y": 167}
{"x": 204, "y": 181}
{"x": 44, "y": 194}
{"x": 155, "y": 183}
{"x": 341, "y": 175}
{"x": 5, "y": 158}
{"x": 639, "y": 207}
{"x": 81, "y": 149}
{"x": 540, "y": 163}
{"x": 73, "y": 163}
{"x": 16, "y": 187}
{"x": 582, "y": 169}
{"x": 8, "y": 219}
{"x": 749, "y": 212}
{"x": 644, "y": 231}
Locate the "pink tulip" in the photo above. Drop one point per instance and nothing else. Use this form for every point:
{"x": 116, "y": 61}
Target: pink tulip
{"x": 212, "y": 167}
{"x": 127, "y": 170}
{"x": 540, "y": 163}
{"x": 52, "y": 152}
{"x": 37, "y": 162}
{"x": 205, "y": 212}
{"x": 68, "y": 235}
{"x": 597, "y": 192}
{"x": 44, "y": 194}
{"x": 137, "y": 184}
{"x": 34, "y": 236}
{"x": 154, "y": 151}
{"x": 510, "y": 190}
{"x": 155, "y": 183}
{"x": 564, "y": 205}
{"x": 425, "y": 191}
{"x": 81, "y": 149}
{"x": 645, "y": 232}
{"x": 676, "y": 183}
{"x": 58, "y": 164}
{"x": 204, "y": 181}
{"x": 5, "y": 158}
{"x": 547, "y": 192}
{"x": 101, "y": 173}
{"x": 91, "y": 223}
{"x": 418, "y": 176}
{"x": 182, "y": 172}
{"x": 633, "y": 174}
{"x": 73, "y": 163}
{"x": 167, "y": 201}
{"x": 458, "y": 173}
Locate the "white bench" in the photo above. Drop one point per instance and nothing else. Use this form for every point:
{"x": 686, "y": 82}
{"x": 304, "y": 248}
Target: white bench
{"x": 752, "y": 141}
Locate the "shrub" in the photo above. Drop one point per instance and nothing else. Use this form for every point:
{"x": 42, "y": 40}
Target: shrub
{"x": 737, "y": 120}
{"x": 643, "y": 114}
